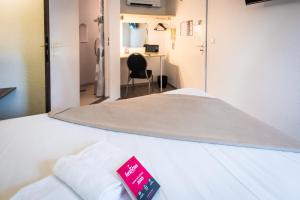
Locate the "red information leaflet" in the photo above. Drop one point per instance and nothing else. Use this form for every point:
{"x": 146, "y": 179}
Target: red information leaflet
{"x": 137, "y": 180}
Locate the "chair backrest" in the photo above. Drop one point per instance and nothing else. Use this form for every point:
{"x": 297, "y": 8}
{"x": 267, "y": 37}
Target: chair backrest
{"x": 137, "y": 63}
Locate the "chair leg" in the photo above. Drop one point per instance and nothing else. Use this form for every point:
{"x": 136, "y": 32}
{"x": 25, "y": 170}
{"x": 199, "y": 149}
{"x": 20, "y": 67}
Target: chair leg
{"x": 133, "y": 83}
{"x": 149, "y": 86}
{"x": 152, "y": 84}
{"x": 128, "y": 81}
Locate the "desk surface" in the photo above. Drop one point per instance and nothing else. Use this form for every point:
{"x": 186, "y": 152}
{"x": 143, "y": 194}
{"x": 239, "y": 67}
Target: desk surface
{"x": 5, "y": 91}
{"x": 145, "y": 55}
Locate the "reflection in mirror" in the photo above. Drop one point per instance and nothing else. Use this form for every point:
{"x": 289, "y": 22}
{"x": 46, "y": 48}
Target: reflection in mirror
{"x": 135, "y": 35}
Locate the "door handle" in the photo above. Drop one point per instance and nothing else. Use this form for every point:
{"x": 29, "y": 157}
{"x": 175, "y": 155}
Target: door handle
{"x": 44, "y": 45}
{"x": 202, "y": 48}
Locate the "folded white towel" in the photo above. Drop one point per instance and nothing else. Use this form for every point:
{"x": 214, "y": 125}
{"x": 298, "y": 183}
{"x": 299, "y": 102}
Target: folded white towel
{"x": 92, "y": 173}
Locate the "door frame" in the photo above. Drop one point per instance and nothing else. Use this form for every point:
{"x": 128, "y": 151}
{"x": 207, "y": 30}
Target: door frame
{"x": 47, "y": 56}
{"x": 109, "y": 75}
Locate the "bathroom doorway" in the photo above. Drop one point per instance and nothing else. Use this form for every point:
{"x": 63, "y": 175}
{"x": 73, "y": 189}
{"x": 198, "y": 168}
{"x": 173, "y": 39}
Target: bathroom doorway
{"x": 63, "y": 70}
{"x": 91, "y": 51}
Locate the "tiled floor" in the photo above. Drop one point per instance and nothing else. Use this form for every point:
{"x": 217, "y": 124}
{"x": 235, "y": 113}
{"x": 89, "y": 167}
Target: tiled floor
{"x": 142, "y": 90}
{"x": 87, "y": 96}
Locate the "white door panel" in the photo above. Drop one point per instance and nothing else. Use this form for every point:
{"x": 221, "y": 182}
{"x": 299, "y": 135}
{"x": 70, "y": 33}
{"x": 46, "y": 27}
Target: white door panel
{"x": 112, "y": 49}
{"x": 64, "y": 53}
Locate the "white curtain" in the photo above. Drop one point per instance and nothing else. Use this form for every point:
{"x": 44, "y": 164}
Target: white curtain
{"x": 100, "y": 75}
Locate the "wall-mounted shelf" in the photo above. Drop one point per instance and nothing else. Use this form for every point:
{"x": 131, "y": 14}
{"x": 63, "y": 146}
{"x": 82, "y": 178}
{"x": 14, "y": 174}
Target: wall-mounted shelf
{"x": 160, "y": 17}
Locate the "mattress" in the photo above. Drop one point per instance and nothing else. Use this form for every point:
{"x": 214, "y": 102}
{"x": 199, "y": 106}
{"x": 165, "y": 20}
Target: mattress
{"x": 30, "y": 146}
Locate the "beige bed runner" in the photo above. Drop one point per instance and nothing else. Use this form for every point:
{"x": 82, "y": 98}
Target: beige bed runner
{"x": 182, "y": 117}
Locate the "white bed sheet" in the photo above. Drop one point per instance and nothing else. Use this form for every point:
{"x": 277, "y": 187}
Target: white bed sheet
{"x": 49, "y": 188}
{"x": 30, "y": 146}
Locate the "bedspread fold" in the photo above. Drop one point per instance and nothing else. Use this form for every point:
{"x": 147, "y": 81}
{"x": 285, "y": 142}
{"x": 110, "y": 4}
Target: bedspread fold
{"x": 181, "y": 117}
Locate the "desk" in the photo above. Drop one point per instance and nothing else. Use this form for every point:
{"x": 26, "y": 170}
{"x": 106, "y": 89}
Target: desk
{"x": 5, "y": 91}
{"x": 151, "y": 55}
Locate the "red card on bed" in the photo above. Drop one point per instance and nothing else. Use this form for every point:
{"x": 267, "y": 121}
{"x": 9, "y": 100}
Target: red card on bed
{"x": 137, "y": 180}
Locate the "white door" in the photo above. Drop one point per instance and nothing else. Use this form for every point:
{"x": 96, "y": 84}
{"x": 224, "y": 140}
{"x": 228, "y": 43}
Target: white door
{"x": 112, "y": 49}
{"x": 64, "y": 53}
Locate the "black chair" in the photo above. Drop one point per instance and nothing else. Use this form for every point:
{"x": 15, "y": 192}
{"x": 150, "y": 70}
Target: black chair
{"x": 137, "y": 65}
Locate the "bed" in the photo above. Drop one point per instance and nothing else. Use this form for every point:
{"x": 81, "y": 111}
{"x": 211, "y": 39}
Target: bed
{"x": 30, "y": 146}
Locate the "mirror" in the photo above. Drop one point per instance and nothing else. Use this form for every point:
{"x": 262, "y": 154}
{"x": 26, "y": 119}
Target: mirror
{"x": 135, "y": 35}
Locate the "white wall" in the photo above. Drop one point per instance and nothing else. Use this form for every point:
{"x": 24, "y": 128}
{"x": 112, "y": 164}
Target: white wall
{"x": 22, "y": 58}
{"x": 255, "y": 61}
{"x": 185, "y": 66}
{"x": 154, "y": 37}
{"x": 88, "y": 12}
